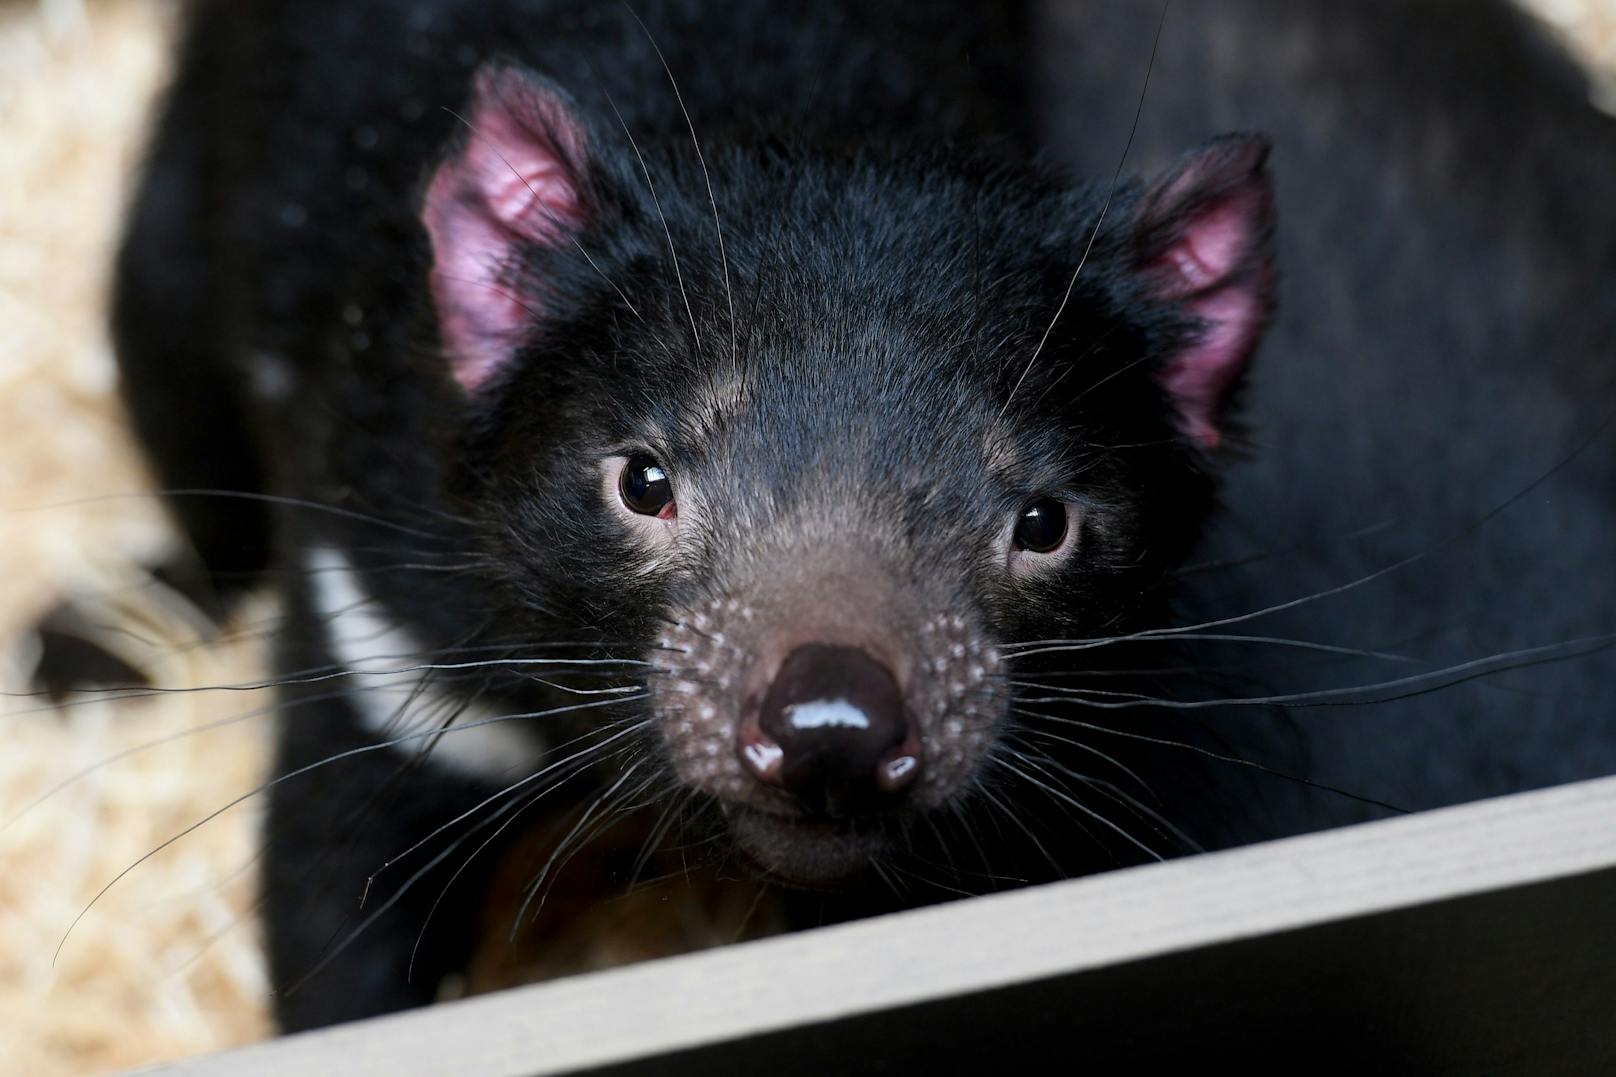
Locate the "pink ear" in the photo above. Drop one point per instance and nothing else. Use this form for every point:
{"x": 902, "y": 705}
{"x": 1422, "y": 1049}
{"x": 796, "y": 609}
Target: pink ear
{"x": 1202, "y": 237}
{"x": 515, "y": 183}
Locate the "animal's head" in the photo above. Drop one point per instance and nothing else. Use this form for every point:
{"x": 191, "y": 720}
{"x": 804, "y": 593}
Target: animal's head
{"x": 822, "y": 446}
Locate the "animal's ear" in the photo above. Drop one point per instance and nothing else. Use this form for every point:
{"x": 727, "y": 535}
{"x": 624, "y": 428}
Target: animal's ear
{"x": 1203, "y": 239}
{"x": 517, "y": 181}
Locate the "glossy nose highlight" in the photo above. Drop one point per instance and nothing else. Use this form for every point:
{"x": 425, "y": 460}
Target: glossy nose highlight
{"x": 834, "y": 732}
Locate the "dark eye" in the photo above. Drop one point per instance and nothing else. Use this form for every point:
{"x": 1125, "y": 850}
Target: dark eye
{"x": 645, "y": 488}
{"x": 1042, "y": 526}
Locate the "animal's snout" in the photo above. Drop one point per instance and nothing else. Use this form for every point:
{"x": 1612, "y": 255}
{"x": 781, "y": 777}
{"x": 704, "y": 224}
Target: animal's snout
{"x": 834, "y": 732}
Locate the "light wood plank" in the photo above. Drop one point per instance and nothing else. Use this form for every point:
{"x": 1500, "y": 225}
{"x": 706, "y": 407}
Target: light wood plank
{"x": 968, "y": 946}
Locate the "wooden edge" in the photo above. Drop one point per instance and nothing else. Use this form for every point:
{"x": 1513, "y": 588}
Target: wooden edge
{"x": 973, "y": 945}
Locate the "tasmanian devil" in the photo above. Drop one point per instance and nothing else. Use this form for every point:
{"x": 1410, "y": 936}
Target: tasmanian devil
{"x": 722, "y": 414}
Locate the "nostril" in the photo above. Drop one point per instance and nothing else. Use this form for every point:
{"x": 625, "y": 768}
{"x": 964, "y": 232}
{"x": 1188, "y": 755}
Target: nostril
{"x": 763, "y": 756}
{"x": 897, "y": 771}
{"x": 834, "y": 731}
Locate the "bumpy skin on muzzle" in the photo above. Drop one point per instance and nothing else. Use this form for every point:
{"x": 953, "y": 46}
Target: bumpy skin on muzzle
{"x": 845, "y": 739}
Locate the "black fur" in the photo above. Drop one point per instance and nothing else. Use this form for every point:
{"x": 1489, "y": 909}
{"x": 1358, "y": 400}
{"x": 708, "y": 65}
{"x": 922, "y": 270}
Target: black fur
{"x": 893, "y": 256}
{"x": 1442, "y": 357}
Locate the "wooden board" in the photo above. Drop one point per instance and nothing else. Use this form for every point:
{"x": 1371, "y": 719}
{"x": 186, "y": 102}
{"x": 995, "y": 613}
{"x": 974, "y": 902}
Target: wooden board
{"x": 1473, "y": 939}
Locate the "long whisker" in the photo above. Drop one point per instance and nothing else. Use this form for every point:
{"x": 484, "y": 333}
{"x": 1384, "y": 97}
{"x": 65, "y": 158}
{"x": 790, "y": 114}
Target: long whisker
{"x": 1062, "y": 796}
{"x": 392, "y": 899}
{"x": 327, "y": 761}
{"x": 645, "y": 170}
{"x": 1208, "y": 753}
{"x": 1045, "y": 764}
{"x": 321, "y": 674}
{"x": 1351, "y": 695}
{"x": 988, "y": 795}
{"x": 1089, "y": 748}
{"x": 701, "y": 159}
{"x": 1468, "y": 529}
{"x": 600, "y": 803}
{"x": 548, "y": 769}
{"x": 1105, "y": 208}
{"x": 241, "y": 495}
{"x": 1189, "y": 632}
{"x": 516, "y": 809}
{"x": 959, "y": 816}
{"x": 669, "y": 815}
{"x": 206, "y": 727}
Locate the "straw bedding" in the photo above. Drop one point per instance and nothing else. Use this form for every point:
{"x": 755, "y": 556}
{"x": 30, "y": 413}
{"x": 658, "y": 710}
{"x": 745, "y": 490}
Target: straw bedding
{"x": 168, "y": 963}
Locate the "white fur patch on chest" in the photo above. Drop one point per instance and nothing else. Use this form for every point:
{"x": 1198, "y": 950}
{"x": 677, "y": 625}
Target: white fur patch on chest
{"x": 395, "y": 698}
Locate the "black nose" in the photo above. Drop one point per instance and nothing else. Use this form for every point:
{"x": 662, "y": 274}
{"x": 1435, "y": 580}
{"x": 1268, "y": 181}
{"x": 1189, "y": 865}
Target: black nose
{"x": 838, "y": 719}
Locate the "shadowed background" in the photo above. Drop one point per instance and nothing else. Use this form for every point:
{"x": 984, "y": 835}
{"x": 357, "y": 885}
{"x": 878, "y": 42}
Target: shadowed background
{"x": 168, "y": 963}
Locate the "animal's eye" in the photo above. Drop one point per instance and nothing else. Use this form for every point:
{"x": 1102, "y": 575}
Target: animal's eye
{"x": 645, "y": 488}
{"x": 1042, "y": 527}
